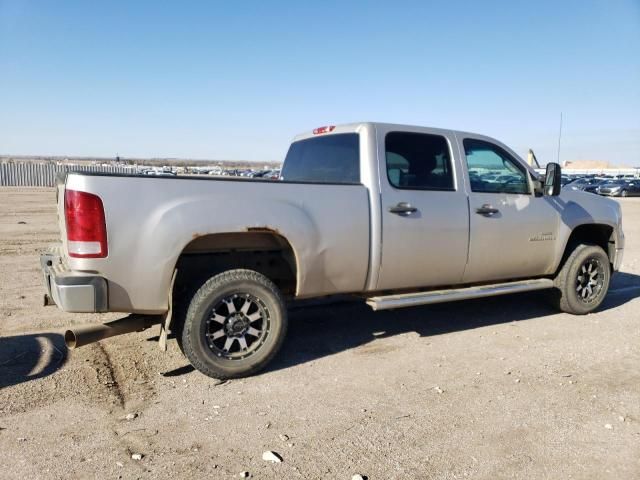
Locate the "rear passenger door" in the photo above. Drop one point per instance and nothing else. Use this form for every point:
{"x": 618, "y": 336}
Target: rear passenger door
{"x": 512, "y": 232}
{"x": 424, "y": 209}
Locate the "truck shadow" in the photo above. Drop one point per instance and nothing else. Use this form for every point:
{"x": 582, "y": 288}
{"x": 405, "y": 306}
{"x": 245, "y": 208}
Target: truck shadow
{"x": 28, "y": 357}
{"x": 315, "y": 332}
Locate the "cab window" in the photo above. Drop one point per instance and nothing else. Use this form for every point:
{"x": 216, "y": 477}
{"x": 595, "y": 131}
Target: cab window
{"x": 418, "y": 161}
{"x": 492, "y": 170}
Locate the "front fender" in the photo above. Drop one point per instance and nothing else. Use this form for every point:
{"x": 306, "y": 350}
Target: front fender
{"x": 579, "y": 208}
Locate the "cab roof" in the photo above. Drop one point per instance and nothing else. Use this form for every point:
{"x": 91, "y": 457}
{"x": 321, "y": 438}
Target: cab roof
{"x": 357, "y": 126}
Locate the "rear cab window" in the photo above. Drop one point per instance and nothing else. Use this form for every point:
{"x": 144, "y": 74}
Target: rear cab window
{"x": 326, "y": 159}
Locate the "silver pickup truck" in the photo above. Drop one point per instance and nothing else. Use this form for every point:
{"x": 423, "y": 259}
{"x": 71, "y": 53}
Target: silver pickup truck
{"x": 396, "y": 215}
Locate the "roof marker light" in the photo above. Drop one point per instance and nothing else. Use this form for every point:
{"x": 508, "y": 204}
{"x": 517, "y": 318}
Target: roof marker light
{"x": 319, "y": 130}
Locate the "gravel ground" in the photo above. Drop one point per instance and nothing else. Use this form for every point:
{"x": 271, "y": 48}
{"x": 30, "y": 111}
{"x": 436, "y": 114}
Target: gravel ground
{"x": 493, "y": 388}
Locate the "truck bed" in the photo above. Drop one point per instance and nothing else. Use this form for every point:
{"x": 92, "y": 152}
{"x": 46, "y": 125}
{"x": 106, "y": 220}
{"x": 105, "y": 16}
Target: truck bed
{"x": 151, "y": 220}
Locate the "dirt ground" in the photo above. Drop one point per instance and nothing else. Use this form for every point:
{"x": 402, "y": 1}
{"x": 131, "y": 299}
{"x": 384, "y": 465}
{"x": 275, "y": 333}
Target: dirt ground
{"x": 493, "y": 388}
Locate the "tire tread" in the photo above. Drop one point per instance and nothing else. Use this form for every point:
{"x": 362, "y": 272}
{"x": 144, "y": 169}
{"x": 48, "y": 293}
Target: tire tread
{"x": 564, "y": 278}
{"x": 191, "y": 321}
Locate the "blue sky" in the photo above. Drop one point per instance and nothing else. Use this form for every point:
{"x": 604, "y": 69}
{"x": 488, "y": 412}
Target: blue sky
{"x": 236, "y": 80}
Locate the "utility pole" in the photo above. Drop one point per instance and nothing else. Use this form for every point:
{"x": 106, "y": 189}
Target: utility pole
{"x": 559, "y": 137}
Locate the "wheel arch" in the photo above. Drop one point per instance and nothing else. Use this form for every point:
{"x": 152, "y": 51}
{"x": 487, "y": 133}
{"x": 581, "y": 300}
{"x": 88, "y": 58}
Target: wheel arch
{"x": 599, "y": 234}
{"x": 263, "y": 250}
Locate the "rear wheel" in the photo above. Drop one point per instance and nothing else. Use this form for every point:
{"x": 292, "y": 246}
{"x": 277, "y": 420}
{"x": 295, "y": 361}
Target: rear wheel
{"x": 583, "y": 281}
{"x": 235, "y": 324}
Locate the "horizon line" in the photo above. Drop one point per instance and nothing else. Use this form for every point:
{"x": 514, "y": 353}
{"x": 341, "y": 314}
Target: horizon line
{"x": 123, "y": 158}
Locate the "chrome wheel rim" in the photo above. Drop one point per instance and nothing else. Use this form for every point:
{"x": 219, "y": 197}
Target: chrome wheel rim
{"x": 237, "y": 326}
{"x": 590, "y": 280}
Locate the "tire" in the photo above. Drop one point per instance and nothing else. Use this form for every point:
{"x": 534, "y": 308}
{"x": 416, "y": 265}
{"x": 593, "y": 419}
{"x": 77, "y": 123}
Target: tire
{"x": 624, "y": 193}
{"x": 583, "y": 281}
{"x": 222, "y": 336}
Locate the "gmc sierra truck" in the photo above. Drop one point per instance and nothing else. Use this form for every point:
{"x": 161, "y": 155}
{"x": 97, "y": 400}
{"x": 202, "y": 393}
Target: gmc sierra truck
{"x": 396, "y": 215}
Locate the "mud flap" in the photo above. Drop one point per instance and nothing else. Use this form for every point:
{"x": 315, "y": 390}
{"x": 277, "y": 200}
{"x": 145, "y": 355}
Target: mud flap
{"x": 166, "y": 321}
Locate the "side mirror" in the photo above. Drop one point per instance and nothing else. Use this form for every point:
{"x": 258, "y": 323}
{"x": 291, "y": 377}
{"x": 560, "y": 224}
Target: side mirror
{"x": 552, "y": 180}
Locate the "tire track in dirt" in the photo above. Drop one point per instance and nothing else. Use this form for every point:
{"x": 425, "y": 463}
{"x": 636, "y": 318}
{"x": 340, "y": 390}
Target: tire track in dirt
{"x": 112, "y": 384}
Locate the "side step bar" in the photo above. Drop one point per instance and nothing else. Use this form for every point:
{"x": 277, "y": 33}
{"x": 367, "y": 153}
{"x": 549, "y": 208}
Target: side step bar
{"x": 438, "y": 296}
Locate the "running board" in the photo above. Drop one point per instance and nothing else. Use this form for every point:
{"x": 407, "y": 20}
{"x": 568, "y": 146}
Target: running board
{"x": 450, "y": 295}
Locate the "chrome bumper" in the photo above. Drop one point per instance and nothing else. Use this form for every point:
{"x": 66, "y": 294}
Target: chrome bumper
{"x": 72, "y": 291}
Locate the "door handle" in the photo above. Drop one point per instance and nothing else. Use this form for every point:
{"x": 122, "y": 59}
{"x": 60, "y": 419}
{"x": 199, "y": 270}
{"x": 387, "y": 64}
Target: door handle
{"x": 487, "y": 210}
{"x": 403, "y": 209}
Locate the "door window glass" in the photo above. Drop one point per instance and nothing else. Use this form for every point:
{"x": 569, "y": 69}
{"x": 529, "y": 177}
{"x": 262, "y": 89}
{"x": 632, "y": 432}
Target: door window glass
{"x": 418, "y": 161}
{"x": 492, "y": 169}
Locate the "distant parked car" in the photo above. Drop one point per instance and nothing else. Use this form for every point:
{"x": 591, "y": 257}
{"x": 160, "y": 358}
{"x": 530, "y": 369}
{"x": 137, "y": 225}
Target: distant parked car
{"x": 579, "y": 183}
{"x": 273, "y": 174}
{"x": 583, "y": 183}
{"x": 506, "y": 178}
{"x": 593, "y": 188}
{"x": 619, "y": 188}
{"x": 564, "y": 180}
{"x": 488, "y": 177}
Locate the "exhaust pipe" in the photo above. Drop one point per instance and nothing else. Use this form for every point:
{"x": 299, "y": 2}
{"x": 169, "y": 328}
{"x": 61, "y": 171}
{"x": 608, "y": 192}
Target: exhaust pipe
{"x": 86, "y": 334}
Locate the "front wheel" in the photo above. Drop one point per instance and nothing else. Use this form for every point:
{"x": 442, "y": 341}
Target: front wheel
{"x": 624, "y": 193}
{"x": 235, "y": 324}
{"x": 583, "y": 280}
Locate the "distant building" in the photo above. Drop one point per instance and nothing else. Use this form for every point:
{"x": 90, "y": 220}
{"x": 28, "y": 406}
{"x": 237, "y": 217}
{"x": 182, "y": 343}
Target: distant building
{"x": 586, "y": 165}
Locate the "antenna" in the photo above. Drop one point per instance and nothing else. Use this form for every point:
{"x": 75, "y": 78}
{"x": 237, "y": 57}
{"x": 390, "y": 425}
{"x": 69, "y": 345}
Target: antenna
{"x": 559, "y": 137}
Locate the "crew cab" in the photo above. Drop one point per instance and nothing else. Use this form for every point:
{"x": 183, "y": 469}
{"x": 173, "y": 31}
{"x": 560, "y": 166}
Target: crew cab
{"x": 396, "y": 215}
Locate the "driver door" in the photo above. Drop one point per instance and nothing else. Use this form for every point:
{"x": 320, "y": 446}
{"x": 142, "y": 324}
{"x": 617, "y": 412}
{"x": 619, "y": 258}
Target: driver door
{"x": 512, "y": 232}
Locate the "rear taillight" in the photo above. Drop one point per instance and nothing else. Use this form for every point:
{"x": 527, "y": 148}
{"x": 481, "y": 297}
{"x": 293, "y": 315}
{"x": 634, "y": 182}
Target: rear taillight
{"x": 86, "y": 227}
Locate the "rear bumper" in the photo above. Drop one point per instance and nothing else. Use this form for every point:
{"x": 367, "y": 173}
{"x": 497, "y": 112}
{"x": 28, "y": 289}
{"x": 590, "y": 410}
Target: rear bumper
{"x": 73, "y": 291}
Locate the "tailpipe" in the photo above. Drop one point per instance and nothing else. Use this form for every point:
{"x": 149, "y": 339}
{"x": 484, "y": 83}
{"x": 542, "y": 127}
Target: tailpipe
{"x": 86, "y": 334}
